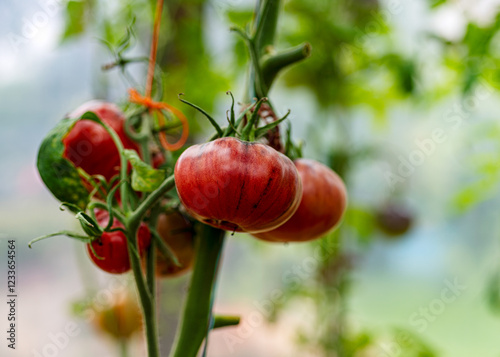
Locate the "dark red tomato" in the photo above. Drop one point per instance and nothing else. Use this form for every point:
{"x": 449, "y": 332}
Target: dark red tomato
{"x": 177, "y": 232}
{"x": 237, "y": 185}
{"x": 394, "y": 220}
{"x": 324, "y": 199}
{"x": 112, "y": 246}
{"x": 90, "y": 147}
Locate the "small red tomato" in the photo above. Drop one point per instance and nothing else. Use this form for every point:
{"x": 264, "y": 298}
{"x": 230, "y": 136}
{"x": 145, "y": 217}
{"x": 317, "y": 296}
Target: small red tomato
{"x": 237, "y": 185}
{"x": 324, "y": 199}
{"x": 177, "y": 232}
{"x": 394, "y": 220}
{"x": 90, "y": 147}
{"x": 112, "y": 246}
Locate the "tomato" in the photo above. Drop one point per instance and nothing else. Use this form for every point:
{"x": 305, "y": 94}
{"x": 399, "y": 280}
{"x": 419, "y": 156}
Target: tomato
{"x": 90, "y": 147}
{"x": 324, "y": 199}
{"x": 177, "y": 232}
{"x": 112, "y": 246}
{"x": 121, "y": 318}
{"x": 237, "y": 185}
{"x": 394, "y": 220}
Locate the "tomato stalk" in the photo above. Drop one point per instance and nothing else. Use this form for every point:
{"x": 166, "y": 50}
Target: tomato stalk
{"x": 196, "y": 318}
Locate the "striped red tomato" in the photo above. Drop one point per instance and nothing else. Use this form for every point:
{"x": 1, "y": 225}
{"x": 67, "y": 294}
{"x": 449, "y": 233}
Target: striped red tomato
{"x": 237, "y": 185}
{"x": 322, "y": 205}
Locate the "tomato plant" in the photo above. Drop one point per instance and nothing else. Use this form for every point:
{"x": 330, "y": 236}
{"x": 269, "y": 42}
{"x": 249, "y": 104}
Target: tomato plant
{"x": 322, "y": 205}
{"x": 241, "y": 180}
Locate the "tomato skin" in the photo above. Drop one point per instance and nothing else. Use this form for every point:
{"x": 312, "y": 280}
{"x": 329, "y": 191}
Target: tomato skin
{"x": 177, "y": 232}
{"x": 237, "y": 185}
{"x": 90, "y": 147}
{"x": 112, "y": 246}
{"x": 324, "y": 199}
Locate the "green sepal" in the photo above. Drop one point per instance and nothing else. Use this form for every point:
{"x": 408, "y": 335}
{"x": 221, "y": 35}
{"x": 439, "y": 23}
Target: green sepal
{"x": 89, "y": 225}
{"x": 58, "y": 173}
{"x": 144, "y": 177}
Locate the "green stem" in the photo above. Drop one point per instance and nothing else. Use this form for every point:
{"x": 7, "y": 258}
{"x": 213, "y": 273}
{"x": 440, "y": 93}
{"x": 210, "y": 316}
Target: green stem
{"x": 266, "y": 23}
{"x": 224, "y": 321}
{"x": 123, "y": 347}
{"x": 153, "y": 197}
{"x": 145, "y": 287}
{"x": 147, "y": 300}
{"x": 197, "y": 309}
{"x": 272, "y": 64}
{"x": 119, "y": 146}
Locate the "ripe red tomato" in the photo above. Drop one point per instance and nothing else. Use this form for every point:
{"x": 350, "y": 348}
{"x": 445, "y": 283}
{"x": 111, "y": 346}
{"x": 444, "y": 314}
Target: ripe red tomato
{"x": 323, "y": 203}
{"x": 177, "y": 232}
{"x": 112, "y": 246}
{"x": 394, "y": 220}
{"x": 90, "y": 147}
{"x": 237, "y": 185}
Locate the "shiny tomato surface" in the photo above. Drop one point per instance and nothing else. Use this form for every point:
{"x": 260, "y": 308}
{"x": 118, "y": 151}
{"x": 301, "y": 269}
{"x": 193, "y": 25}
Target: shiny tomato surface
{"x": 237, "y": 185}
{"x": 90, "y": 147}
{"x": 177, "y": 232}
{"x": 112, "y": 246}
{"x": 323, "y": 203}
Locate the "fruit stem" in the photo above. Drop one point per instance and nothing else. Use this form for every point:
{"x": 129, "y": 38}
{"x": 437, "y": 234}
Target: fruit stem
{"x": 146, "y": 299}
{"x": 153, "y": 197}
{"x": 196, "y": 316}
{"x": 224, "y": 321}
{"x": 119, "y": 146}
{"x": 272, "y": 64}
{"x": 145, "y": 287}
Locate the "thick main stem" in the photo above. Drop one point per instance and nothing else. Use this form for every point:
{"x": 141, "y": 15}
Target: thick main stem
{"x": 197, "y": 310}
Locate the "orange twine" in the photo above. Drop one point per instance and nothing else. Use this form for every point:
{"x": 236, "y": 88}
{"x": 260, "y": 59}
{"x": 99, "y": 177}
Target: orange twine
{"x": 135, "y": 97}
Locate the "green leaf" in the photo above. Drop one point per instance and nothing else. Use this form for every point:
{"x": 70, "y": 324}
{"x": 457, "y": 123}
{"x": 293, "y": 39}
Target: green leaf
{"x": 144, "y": 177}
{"x": 58, "y": 173}
{"x": 75, "y": 19}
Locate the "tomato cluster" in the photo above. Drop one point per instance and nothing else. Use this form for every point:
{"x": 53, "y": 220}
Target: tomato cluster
{"x": 228, "y": 183}
{"x": 250, "y": 187}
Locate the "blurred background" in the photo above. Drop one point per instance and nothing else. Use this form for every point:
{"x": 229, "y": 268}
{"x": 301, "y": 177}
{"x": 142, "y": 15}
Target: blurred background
{"x": 399, "y": 97}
